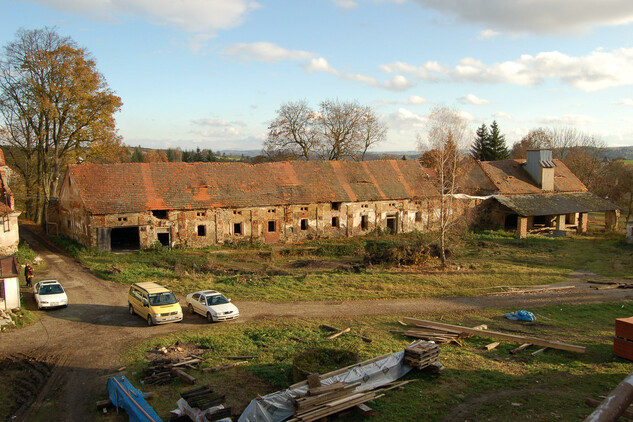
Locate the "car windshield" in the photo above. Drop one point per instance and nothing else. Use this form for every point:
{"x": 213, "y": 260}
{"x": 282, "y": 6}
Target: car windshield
{"x": 51, "y": 289}
{"x": 217, "y": 300}
{"x": 167, "y": 298}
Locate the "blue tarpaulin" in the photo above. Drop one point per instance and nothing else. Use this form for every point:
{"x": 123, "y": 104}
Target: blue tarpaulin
{"x": 123, "y": 394}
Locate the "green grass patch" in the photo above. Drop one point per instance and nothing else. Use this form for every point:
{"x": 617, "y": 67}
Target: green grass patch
{"x": 475, "y": 385}
{"x": 340, "y": 270}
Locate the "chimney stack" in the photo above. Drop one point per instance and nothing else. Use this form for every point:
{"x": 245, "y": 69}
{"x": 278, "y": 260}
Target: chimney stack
{"x": 540, "y": 166}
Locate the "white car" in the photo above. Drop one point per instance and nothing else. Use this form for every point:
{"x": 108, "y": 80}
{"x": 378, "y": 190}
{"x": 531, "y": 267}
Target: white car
{"x": 49, "y": 294}
{"x": 211, "y": 304}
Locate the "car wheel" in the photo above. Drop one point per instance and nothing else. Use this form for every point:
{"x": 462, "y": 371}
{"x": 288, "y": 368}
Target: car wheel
{"x": 209, "y": 317}
{"x": 130, "y": 309}
{"x": 149, "y": 321}
{"x": 190, "y": 307}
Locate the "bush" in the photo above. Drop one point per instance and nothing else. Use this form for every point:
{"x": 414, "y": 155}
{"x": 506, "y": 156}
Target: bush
{"x": 69, "y": 245}
{"x": 399, "y": 251}
{"x": 25, "y": 253}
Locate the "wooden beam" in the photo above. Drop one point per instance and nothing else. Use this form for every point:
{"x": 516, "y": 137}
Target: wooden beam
{"x": 183, "y": 376}
{"x": 335, "y": 335}
{"x": 492, "y": 345}
{"x": 503, "y": 336}
{"x": 520, "y": 348}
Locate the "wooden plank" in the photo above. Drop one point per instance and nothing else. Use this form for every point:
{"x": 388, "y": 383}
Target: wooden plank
{"x": 185, "y": 363}
{"x": 539, "y": 351}
{"x": 520, "y": 348}
{"x": 333, "y": 336}
{"x": 492, "y": 345}
{"x": 520, "y": 292}
{"x": 502, "y": 336}
{"x": 481, "y": 327}
{"x": 364, "y": 410}
{"x": 315, "y": 391}
{"x": 183, "y": 376}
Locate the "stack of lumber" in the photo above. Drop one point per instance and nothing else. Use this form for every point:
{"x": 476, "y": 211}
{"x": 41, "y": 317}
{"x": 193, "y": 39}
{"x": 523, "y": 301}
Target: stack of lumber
{"x": 327, "y": 400}
{"x": 159, "y": 372}
{"x": 623, "y": 340}
{"x": 421, "y": 354}
{"x": 437, "y": 335}
{"x": 203, "y": 398}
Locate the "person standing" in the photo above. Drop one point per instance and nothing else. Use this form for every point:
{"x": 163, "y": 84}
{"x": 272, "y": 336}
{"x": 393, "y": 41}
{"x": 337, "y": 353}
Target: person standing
{"x": 28, "y": 274}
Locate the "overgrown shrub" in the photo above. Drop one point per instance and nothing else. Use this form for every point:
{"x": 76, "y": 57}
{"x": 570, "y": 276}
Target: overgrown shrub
{"x": 25, "y": 253}
{"x": 71, "y": 246}
{"x": 399, "y": 251}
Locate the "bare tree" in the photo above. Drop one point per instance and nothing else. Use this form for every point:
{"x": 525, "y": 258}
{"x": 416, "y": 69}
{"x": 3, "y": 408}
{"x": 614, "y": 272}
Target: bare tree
{"x": 370, "y": 132}
{"x": 339, "y": 130}
{"x": 294, "y": 132}
{"x": 54, "y": 104}
{"x": 446, "y": 136}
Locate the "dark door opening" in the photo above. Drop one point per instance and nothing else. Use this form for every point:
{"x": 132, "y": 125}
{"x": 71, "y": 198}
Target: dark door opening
{"x": 511, "y": 222}
{"x": 163, "y": 238}
{"x": 392, "y": 224}
{"x": 125, "y": 238}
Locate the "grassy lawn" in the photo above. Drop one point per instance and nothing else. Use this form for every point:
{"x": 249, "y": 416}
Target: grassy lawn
{"x": 475, "y": 385}
{"x": 337, "y": 269}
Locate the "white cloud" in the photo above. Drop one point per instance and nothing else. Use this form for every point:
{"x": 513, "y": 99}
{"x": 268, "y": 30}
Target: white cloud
{"x": 421, "y": 72}
{"x": 466, "y": 115}
{"x": 626, "y": 102}
{"x": 473, "y": 99}
{"x": 537, "y": 16}
{"x": 502, "y": 115}
{"x": 320, "y": 65}
{"x": 264, "y": 52}
{"x": 487, "y": 34}
{"x": 217, "y": 122}
{"x": 568, "y": 120}
{"x": 415, "y": 100}
{"x": 346, "y": 4}
{"x": 598, "y": 70}
{"x": 196, "y": 16}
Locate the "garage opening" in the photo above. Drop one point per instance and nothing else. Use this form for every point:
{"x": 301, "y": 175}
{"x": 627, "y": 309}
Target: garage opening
{"x": 124, "y": 238}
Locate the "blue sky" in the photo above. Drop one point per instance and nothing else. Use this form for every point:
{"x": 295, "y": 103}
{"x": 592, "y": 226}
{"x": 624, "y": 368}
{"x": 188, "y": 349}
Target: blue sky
{"x": 212, "y": 73}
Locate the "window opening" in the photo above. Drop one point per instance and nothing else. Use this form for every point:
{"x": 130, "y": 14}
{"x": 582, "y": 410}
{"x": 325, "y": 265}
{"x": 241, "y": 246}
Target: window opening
{"x": 304, "y": 224}
{"x": 237, "y": 228}
{"x": 334, "y": 221}
{"x": 336, "y": 206}
{"x": 271, "y": 226}
{"x": 418, "y": 216}
{"x": 162, "y": 214}
{"x": 202, "y": 230}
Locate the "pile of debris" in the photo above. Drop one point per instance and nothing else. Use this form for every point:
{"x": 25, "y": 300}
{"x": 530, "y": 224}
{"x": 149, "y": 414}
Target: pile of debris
{"x": 161, "y": 371}
{"x": 5, "y": 317}
{"x": 202, "y": 404}
{"x": 321, "y": 401}
{"x": 437, "y": 335}
{"x": 610, "y": 284}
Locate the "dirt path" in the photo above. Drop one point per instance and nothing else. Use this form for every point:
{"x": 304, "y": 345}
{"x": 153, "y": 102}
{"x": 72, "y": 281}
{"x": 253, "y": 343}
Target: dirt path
{"x": 84, "y": 341}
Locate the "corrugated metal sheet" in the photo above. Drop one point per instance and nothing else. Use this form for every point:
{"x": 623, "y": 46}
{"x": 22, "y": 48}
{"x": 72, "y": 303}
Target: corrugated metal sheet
{"x": 555, "y": 204}
{"x": 137, "y": 187}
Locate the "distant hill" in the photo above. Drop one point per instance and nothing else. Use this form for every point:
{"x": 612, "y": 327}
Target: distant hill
{"x": 619, "y": 152}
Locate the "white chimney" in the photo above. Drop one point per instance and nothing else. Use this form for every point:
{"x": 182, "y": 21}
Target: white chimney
{"x": 540, "y": 166}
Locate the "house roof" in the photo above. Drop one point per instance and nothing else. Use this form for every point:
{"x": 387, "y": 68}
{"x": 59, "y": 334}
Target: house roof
{"x": 137, "y": 187}
{"x": 554, "y": 204}
{"x": 8, "y": 267}
{"x": 510, "y": 178}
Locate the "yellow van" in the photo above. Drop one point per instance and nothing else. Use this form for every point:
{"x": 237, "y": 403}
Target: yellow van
{"x": 154, "y": 303}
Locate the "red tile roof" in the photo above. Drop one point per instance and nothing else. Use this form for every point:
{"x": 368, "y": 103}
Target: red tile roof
{"x": 136, "y": 187}
{"x": 511, "y": 178}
